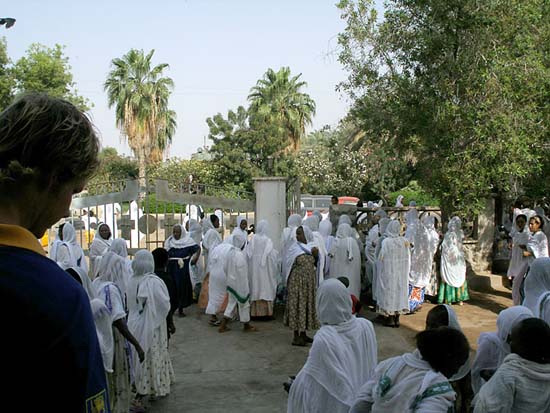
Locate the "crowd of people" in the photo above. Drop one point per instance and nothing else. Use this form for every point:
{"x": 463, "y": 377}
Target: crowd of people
{"x": 98, "y": 327}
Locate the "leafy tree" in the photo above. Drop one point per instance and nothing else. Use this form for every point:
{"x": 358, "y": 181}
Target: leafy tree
{"x": 7, "y": 82}
{"x": 140, "y": 94}
{"x": 460, "y": 87}
{"x": 277, "y": 99}
{"x": 47, "y": 70}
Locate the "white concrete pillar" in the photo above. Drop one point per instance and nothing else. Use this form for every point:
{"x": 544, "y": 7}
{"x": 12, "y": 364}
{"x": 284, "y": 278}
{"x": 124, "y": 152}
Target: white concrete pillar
{"x": 271, "y": 206}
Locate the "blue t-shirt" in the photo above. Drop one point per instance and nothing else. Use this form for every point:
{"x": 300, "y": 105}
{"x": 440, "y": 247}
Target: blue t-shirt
{"x": 51, "y": 360}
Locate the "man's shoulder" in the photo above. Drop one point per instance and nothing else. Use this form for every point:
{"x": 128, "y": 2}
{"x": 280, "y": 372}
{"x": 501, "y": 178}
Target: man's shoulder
{"x": 29, "y": 279}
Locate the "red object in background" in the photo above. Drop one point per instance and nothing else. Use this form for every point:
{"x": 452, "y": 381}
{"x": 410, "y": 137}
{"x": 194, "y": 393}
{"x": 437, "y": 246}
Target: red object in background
{"x": 348, "y": 200}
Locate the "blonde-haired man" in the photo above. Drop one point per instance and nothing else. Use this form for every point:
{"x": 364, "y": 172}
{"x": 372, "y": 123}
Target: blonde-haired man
{"x": 51, "y": 356}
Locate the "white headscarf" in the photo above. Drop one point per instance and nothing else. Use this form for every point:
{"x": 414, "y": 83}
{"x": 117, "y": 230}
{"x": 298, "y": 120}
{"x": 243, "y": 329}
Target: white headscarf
{"x": 148, "y": 302}
{"x": 393, "y": 229}
{"x": 85, "y": 281}
{"x": 195, "y": 231}
{"x": 344, "y": 219}
{"x": 206, "y": 225}
{"x": 294, "y": 221}
{"x": 75, "y": 254}
{"x": 398, "y": 202}
{"x": 342, "y": 357}
{"x": 454, "y": 324}
{"x": 344, "y": 233}
{"x": 453, "y": 263}
{"x": 537, "y": 282}
{"x": 104, "y": 330}
{"x": 493, "y": 347}
{"x": 312, "y": 222}
{"x": 295, "y": 250}
{"x": 318, "y": 214}
{"x": 543, "y": 307}
{"x": 334, "y": 305}
{"x": 112, "y": 268}
{"x": 261, "y": 242}
{"x": 421, "y": 257}
{"x": 118, "y": 246}
{"x": 411, "y": 218}
{"x": 325, "y": 228}
{"x": 184, "y": 240}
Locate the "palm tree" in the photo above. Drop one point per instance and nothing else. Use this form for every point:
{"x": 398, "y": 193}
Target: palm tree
{"x": 140, "y": 96}
{"x": 277, "y": 98}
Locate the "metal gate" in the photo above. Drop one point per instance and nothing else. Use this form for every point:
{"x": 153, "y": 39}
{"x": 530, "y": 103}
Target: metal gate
{"x": 144, "y": 216}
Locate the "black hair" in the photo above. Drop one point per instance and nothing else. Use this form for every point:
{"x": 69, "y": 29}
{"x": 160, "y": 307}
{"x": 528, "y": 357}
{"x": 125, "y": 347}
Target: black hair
{"x": 540, "y": 220}
{"x": 444, "y": 348}
{"x": 530, "y": 339}
{"x": 160, "y": 256}
{"x": 213, "y": 218}
{"x": 437, "y": 317}
{"x": 334, "y": 197}
{"x": 344, "y": 280}
{"x": 360, "y": 204}
{"x": 60, "y": 231}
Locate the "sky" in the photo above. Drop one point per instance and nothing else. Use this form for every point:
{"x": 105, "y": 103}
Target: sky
{"x": 216, "y": 49}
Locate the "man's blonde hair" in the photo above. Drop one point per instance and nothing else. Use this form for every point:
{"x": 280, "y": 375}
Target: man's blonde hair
{"x": 44, "y": 138}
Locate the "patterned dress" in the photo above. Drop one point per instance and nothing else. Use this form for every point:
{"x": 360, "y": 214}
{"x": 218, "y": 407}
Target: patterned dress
{"x": 300, "y": 312}
{"x": 119, "y": 380}
{"x": 158, "y": 373}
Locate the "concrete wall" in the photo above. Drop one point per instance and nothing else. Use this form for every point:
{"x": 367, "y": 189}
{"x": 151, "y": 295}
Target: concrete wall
{"x": 271, "y": 206}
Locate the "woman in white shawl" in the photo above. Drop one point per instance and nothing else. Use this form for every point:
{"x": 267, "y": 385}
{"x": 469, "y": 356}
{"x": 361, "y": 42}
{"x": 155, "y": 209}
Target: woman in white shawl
{"x": 417, "y": 381}
{"x": 382, "y": 226}
{"x": 443, "y": 315}
{"x": 300, "y": 314}
{"x": 492, "y": 348}
{"x": 518, "y": 262}
{"x": 69, "y": 253}
{"x": 100, "y": 245}
{"x": 196, "y": 271}
{"x": 543, "y": 307}
{"x": 422, "y": 256}
{"x": 393, "y": 267}
{"x": 287, "y": 239}
{"x": 345, "y": 259}
{"x": 432, "y": 288}
{"x": 242, "y": 226}
{"x": 412, "y": 222}
{"x": 148, "y": 306}
{"x": 325, "y": 229}
{"x": 183, "y": 251}
{"x": 312, "y": 223}
{"x": 238, "y": 286}
{"x": 211, "y": 238}
{"x": 454, "y": 287}
{"x": 371, "y": 242}
{"x": 343, "y": 356}
{"x": 536, "y": 282}
{"x": 264, "y": 267}
{"x": 109, "y": 285}
{"x": 217, "y": 286}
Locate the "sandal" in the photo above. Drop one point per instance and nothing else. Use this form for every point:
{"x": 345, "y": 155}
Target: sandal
{"x": 137, "y": 407}
{"x": 214, "y": 323}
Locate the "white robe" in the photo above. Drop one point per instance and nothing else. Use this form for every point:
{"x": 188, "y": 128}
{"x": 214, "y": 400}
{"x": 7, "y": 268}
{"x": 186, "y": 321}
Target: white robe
{"x": 392, "y": 290}
{"x": 217, "y": 285}
{"x": 398, "y": 384}
{"x": 264, "y": 268}
{"x": 536, "y": 282}
{"x": 453, "y": 263}
{"x": 492, "y": 348}
{"x": 518, "y": 263}
{"x": 422, "y": 256}
{"x": 538, "y": 245}
{"x": 346, "y": 259}
{"x": 98, "y": 248}
{"x": 518, "y": 386}
{"x": 343, "y": 356}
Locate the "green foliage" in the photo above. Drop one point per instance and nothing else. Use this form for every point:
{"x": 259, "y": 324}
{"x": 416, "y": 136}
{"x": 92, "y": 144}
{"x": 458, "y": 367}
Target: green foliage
{"x": 277, "y": 100}
{"x": 47, "y": 70}
{"x": 461, "y": 88}
{"x": 413, "y": 192}
{"x": 329, "y": 165}
{"x": 140, "y": 94}
{"x": 7, "y": 81}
